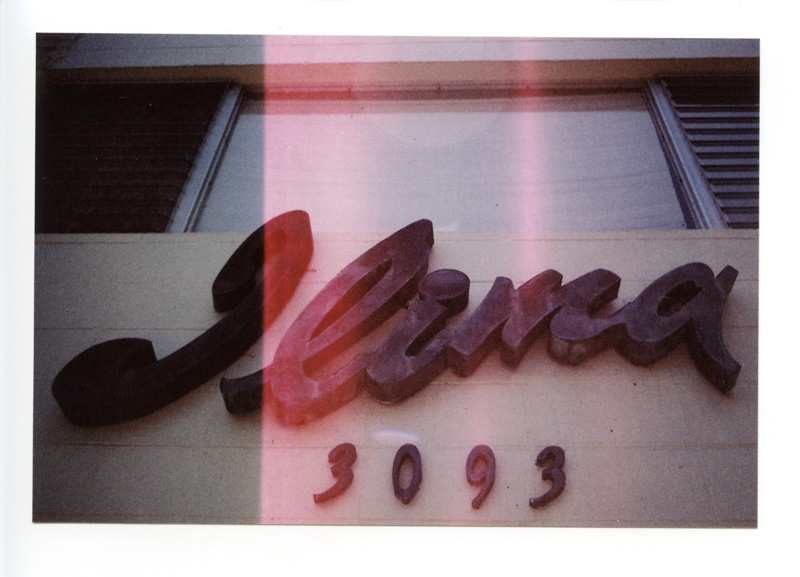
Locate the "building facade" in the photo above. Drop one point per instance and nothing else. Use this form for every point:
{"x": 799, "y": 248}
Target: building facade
{"x": 158, "y": 155}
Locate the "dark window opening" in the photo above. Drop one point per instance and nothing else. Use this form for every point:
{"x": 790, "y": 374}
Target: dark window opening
{"x": 115, "y": 157}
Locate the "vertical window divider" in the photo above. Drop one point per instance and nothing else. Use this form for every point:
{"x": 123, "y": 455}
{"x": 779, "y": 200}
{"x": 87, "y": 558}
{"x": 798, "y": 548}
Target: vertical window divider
{"x": 699, "y": 198}
{"x": 190, "y": 203}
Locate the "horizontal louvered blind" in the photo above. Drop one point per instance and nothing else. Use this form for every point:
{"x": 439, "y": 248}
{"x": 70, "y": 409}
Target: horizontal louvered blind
{"x": 115, "y": 157}
{"x": 720, "y": 118}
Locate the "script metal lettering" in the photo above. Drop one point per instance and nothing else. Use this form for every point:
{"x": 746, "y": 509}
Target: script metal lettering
{"x": 683, "y": 305}
{"x": 121, "y": 379}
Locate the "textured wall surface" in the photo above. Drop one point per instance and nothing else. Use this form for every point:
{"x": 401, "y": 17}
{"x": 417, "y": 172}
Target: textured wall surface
{"x": 645, "y": 446}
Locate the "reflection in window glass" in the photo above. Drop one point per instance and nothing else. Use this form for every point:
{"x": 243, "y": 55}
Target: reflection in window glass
{"x": 528, "y": 164}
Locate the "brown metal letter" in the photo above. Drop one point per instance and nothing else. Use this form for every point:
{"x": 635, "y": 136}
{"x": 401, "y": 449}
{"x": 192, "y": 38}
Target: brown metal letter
{"x": 363, "y": 295}
{"x": 121, "y": 379}
{"x": 415, "y": 353}
{"x": 479, "y": 335}
{"x": 683, "y": 305}
{"x": 513, "y": 319}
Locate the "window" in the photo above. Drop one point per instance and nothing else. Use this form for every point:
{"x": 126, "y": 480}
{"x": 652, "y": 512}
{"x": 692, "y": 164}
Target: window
{"x": 126, "y": 148}
{"x": 710, "y": 130}
{"x": 117, "y": 157}
{"x": 470, "y": 162}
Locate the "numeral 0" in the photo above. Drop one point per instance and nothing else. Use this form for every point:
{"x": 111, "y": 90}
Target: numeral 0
{"x": 405, "y": 494}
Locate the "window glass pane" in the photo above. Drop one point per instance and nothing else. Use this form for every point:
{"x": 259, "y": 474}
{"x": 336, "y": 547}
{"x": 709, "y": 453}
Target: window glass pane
{"x": 527, "y": 164}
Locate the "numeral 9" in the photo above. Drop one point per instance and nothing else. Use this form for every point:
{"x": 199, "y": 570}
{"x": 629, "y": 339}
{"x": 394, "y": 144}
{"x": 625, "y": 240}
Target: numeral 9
{"x": 481, "y": 475}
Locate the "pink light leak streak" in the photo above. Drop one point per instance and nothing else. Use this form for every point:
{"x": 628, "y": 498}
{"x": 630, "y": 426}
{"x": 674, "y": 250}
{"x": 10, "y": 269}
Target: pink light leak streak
{"x": 269, "y": 342}
{"x": 289, "y": 158}
{"x": 337, "y": 167}
{"x": 531, "y": 221}
{"x": 530, "y": 168}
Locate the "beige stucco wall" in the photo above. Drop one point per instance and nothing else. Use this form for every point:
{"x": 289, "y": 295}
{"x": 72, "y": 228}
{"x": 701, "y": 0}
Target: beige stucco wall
{"x": 655, "y": 446}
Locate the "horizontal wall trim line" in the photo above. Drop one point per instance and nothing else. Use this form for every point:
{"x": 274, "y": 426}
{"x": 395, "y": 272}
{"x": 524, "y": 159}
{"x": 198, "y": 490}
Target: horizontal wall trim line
{"x": 445, "y": 75}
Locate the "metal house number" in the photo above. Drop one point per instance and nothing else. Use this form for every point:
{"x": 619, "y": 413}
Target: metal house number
{"x": 481, "y": 468}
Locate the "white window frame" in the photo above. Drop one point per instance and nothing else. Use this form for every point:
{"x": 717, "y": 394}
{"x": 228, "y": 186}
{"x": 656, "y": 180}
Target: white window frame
{"x": 697, "y": 194}
{"x": 187, "y": 209}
